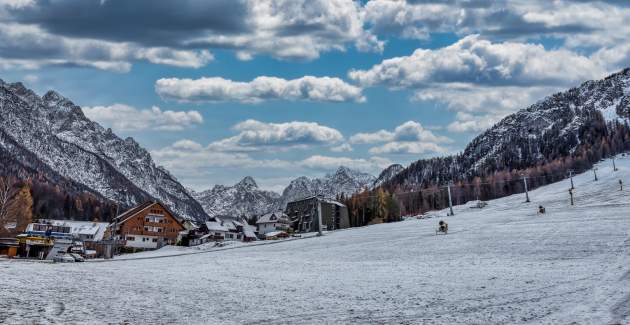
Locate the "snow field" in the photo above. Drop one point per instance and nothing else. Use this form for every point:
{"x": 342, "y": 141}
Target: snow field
{"x": 503, "y": 264}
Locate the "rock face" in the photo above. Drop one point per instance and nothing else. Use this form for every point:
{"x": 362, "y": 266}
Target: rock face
{"x": 246, "y": 199}
{"x": 387, "y": 174}
{"x": 242, "y": 199}
{"x": 56, "y": 138}
{"x": 555, "y": 127}
{"x": 344, "y": 181}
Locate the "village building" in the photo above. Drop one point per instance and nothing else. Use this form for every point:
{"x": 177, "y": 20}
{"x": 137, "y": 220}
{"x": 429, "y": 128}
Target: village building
{"x": 215, "y": 230}
{"x": 275, "y": 221}
{"x": 303, "y": 214}
{"x": 85, "y": 231}
{"x": 90, "y": 234}
{"x": 147, "y": 226}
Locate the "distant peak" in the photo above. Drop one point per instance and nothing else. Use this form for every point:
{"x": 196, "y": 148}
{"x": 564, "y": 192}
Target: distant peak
{"x": 343, "y": 169}
{"x": 52, "y": 95}
{"x": 247, "y": 182}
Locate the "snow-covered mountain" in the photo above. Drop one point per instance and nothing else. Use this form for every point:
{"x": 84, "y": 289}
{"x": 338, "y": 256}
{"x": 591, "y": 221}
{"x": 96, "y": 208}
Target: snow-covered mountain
{"x": 587, "y": 121}
{"x": 56, "y": 134}
{"x": 242, "y": 199}
{"x": 246, "y": 199}
{"x": 344, "y": 181}
{"x": 387, "y": 174}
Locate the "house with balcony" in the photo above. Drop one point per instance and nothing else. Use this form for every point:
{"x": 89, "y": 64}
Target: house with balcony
{"x": 147, "y": 226}
{"x": 275, "y": 221}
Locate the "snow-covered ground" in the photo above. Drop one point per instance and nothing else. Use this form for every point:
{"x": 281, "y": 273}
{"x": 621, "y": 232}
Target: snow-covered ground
{"x": 498, "y": 265}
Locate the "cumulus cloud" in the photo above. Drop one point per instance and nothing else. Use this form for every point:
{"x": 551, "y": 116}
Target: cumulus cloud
{"x": 408, "y": 132}
{"x": 123, "y": 117}
{"x": 329, "y": 163}
{"x": 398, "y": 147}
{"x": 30, "y": 47}
{"x": 216, "y": 89}
{"x": 476, "y": 60}
{"x": 285, "y": 29}
{"x": 408, "y": 138}
{"x": 480, "y": 107}
{"x": 255, "y": 135}
{"x": 344, "y": 147}
{"x": 496, "y": 19}
{"x": 201, "y": 165}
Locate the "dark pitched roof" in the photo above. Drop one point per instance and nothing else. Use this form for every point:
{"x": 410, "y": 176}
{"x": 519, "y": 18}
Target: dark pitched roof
{"x": 141, "y": 207}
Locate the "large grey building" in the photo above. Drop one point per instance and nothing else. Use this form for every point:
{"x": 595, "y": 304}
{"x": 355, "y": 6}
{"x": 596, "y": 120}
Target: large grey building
{"x": 303, "y": 214}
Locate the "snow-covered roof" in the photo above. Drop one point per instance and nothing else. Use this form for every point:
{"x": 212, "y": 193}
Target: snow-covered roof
{"x": 249, "y": 231}
{"x": 215, "y": 226}
{"x": 85, "y": 228}
{"x": 274, "y": 217}
{"x": 274, "y": 233}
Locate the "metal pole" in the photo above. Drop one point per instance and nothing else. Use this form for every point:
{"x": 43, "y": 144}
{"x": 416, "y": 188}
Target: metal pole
{"x": 319, "y": 217}
{"x": 450, "y": 202}
{"x": 571, "y": 176}
{"x": 595, "y": 173}
{"x": 526, "y": 191}
{"x": 571, "y": 194}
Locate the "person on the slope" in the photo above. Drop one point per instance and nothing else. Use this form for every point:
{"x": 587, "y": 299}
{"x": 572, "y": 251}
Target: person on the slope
{"x": 443, "y": 226}
{"x": 541, "y": 209}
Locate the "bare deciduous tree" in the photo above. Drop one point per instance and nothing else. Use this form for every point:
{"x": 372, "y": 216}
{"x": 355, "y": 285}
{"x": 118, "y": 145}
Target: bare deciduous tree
{"x": 8, "y": 191}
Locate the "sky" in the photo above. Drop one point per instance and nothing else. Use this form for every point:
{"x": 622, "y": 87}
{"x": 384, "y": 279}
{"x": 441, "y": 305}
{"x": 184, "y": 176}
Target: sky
{"x": 277, "y": 89}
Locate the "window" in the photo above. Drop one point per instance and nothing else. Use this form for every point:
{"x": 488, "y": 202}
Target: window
{"x": 131, "y": 238}
{"x": 155, "y": 240}
{"x": 153, "y": 229}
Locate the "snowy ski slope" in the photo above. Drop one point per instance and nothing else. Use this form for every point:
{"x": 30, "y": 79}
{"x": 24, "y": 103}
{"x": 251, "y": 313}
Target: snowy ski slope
{"x": 499, "y": 265}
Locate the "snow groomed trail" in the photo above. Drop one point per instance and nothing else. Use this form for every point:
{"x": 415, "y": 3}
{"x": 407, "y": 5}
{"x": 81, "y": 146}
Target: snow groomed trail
{"x": 503, "y": 264}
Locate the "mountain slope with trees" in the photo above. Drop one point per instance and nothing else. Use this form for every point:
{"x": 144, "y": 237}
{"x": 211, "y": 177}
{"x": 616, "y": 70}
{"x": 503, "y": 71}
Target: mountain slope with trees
{"x": 567, "y": 131}
{"x": 49, "y": 140}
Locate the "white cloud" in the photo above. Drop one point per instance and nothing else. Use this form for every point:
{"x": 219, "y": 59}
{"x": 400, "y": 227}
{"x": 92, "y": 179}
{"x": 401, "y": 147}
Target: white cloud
{"x": 201, "y": 165}
{"x": 409, "y": 131}
{"x": 479, "y": 61}
{"x": 216, "y": 89}
{"x": 466, "y": 122}
{"x": 371, "y": 164}
{"x": 297, "y": 30}
{"x": 30, "y": 47}
{"x": 344, "y": 147}
{"x": 283, "y": 29}
{"x": 398, "y": 147}
{"x": 255, "y": 135}
{"x": 479, "y": 107}
{"x": 408, "y": 138}
{"x": 123, "y": 117}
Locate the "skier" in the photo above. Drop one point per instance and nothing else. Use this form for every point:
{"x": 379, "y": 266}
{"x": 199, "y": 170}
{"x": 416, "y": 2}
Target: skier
{"x": 443, "y": 227}
{"x": 541, "y": 209}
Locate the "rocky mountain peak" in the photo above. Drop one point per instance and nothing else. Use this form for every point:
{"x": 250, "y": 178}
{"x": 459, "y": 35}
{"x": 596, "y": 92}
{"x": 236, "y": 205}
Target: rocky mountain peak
{"x": 247, "y": 182}
{"x": 57, "y": 136}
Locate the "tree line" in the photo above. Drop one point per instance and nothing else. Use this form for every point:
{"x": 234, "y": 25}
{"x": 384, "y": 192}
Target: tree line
{"x": 499, "y": 176}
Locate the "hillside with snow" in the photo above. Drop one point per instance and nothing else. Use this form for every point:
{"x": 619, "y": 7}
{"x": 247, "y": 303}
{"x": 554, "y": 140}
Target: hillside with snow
{"x": 50, "y": 135}
{"x": 589, "y": 119}
{"x": 503, "y": 264}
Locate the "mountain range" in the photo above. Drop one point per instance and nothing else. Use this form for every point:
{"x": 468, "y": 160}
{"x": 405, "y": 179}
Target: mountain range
{"x": 246, "y": 199}
{"x": 50, "y": 136}
{"x": 568, "y": 130}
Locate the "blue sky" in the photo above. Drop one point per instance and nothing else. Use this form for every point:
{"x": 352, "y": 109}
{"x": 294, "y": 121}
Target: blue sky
{"x": 279, "y": 89}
